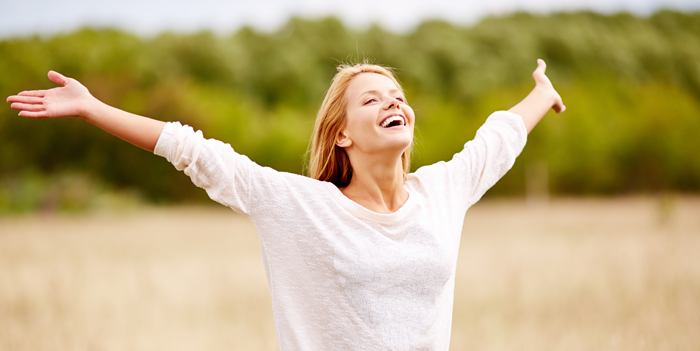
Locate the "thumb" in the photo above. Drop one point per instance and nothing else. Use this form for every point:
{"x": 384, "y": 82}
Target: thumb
{"x": 57, "y": 78}
{"x": 541, "y": 66}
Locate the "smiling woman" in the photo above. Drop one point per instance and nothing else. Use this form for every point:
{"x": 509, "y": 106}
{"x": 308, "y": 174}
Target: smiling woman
{"x": 361, "y": 99}
{"x": 360, "y": 255}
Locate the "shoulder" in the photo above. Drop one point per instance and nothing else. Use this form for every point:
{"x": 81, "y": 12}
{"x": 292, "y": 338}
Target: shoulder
{"x": 290, "y": 186}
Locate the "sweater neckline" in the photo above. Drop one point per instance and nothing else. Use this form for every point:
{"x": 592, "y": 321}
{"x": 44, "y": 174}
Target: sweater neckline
{"x": 362, "y": 212}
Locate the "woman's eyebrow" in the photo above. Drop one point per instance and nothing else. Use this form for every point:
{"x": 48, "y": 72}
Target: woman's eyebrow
{"x": 377, "y": 92}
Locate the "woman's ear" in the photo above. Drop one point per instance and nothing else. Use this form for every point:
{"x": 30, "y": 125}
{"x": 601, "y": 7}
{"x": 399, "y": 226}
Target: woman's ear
{"x": 343, "y": 140}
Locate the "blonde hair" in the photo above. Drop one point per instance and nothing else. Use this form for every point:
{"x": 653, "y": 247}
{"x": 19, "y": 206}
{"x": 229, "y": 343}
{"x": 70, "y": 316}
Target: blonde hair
{"x": 328, "y": 161}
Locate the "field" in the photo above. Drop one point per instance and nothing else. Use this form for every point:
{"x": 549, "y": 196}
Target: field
{"x": 570, "y": 274}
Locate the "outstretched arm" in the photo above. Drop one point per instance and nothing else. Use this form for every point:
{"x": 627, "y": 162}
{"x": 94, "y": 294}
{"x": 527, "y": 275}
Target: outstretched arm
{"x": 540, "y": 100}
{"x": 74, "y": 100}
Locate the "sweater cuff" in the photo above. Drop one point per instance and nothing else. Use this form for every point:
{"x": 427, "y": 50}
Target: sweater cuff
{"x": 164, "y": 140}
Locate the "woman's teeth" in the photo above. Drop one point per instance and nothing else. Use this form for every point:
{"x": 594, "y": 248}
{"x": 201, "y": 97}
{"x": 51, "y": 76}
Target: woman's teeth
{"x": 392, "y": 122}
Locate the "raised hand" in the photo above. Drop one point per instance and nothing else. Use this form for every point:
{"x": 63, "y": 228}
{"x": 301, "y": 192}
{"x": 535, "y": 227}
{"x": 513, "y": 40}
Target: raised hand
{"x": 74, "y": 100}
{"x": 70, "y": 100}
{"x": 542, "y": 81}
{"x": 542, "y": 98}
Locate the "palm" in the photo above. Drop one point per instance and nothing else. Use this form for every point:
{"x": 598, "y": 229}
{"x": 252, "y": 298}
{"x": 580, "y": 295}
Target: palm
{"x": 66, "y": 101}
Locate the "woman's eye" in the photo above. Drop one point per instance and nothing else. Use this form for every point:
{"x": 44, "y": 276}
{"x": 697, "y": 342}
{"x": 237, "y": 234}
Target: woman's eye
{"x": 370, "y": 100}
{"x": 401, "y": 99}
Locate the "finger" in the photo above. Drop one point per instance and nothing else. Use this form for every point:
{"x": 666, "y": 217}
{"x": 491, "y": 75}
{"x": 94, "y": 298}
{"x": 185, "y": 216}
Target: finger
{"x": 37, "y": 93}
{"x": 559, "y": 107}
{"x": 57, "y": 78}
{"x": 25, "y": 99}
{"x": 32, "y": 114}
{"x": 27, "y": 107}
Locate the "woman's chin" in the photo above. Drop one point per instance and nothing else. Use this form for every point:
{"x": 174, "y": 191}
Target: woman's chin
{"x": 400, "y": 145}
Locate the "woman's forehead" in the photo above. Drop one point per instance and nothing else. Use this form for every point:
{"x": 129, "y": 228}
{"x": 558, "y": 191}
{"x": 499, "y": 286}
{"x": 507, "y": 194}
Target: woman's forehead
{"x": 370, "y": 83}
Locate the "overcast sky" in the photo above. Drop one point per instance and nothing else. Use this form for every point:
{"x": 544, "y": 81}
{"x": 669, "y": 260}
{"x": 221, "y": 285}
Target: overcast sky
{"x": 21, "y": 17}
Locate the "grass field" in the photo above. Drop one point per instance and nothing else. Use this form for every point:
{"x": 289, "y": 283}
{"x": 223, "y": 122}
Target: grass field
{"x": 574, "y": 274}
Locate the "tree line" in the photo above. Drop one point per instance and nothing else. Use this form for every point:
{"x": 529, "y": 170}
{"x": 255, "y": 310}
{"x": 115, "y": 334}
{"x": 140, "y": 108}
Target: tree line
{"x": 631, "y": 85}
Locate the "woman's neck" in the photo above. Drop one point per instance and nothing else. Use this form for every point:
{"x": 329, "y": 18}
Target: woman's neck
{"x": 377, "y": 187}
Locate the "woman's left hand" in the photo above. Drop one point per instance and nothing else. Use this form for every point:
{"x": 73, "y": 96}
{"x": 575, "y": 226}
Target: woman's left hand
{"x": 542, "y": 98}
{"x": 543, "y": 82}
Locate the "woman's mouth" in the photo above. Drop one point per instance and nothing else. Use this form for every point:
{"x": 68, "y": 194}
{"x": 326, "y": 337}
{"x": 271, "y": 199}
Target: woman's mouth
{"x": 393, "y": 121}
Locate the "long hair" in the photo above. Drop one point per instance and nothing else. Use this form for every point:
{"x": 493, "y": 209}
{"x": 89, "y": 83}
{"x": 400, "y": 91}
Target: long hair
{"x": 329, "y": 162}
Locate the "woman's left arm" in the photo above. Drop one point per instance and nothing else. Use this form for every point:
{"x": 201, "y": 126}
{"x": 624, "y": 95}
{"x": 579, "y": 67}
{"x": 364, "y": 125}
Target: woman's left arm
{"x": 540, "y": 100}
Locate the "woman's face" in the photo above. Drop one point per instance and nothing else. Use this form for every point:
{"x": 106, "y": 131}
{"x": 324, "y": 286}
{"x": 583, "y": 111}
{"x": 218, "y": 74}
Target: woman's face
{"x": 378, "y": 120}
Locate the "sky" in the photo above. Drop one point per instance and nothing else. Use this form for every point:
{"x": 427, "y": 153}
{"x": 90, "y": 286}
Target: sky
{"x": 148, "y": 17}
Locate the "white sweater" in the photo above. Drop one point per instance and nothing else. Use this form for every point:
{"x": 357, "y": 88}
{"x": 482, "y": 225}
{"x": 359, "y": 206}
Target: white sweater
{"x": 341, "y": 276}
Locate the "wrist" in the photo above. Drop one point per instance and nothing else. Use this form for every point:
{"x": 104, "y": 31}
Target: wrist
{"x": 89, "y": 110}
{"x": 546, "y": 93}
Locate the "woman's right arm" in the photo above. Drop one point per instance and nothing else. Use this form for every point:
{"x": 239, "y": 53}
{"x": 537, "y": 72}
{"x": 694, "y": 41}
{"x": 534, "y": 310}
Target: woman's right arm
{"x": 228, "y": 177}
{"x": 74, "y": 100}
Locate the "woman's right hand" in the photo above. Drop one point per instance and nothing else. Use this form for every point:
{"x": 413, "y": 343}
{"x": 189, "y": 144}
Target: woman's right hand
{"x": 74, "y": 100}
{"x": 70, "y": 100}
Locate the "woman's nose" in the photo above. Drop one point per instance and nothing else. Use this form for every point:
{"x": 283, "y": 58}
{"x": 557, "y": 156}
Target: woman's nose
{"x": 394, "y": 104}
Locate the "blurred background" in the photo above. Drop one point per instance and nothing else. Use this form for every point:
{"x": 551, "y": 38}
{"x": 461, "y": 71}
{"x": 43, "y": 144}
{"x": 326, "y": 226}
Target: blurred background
{"x": 609, "y": 189}
{"x": 630, "y": 80}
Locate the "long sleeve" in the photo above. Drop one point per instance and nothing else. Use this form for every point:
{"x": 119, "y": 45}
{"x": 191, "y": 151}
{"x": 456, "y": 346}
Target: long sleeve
{"x": 212, "y": 165}
{"x": 463, "y": 180}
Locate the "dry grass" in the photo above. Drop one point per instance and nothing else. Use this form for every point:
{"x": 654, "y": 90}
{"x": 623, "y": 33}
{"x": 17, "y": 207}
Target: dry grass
{"x": 615, "y": 274}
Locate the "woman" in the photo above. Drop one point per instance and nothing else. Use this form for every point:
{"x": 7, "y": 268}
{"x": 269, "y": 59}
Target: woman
{"x": 360, "y": 255}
